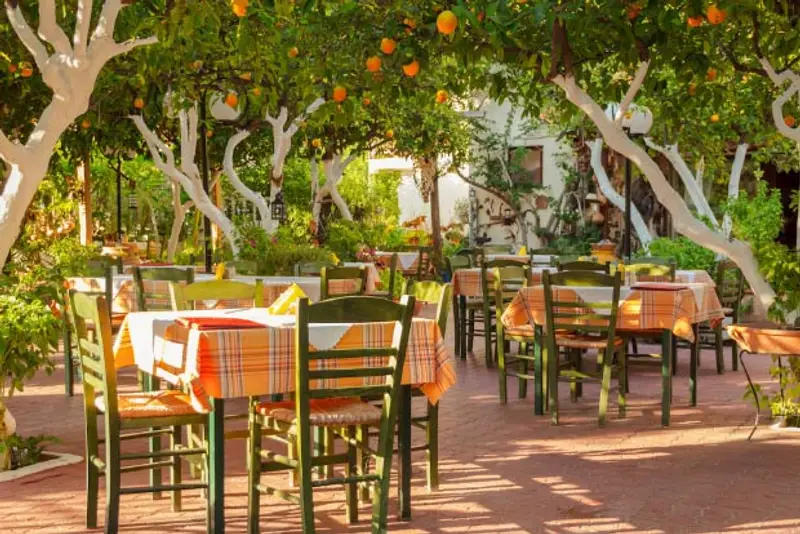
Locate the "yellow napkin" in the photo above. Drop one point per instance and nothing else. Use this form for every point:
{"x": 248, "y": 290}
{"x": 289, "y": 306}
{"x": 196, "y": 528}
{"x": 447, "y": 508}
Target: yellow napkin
{"x": 335, "y": 259}
{"x": 219, "y": 272}
{"x": 286, "y": 303}
{"x": 523, "y": 251}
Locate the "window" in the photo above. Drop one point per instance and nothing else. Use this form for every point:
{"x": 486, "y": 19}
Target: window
{"x": 525, "y": 165}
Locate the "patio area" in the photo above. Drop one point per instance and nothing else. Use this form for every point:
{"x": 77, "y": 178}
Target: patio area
{"x": 502, "y": 469}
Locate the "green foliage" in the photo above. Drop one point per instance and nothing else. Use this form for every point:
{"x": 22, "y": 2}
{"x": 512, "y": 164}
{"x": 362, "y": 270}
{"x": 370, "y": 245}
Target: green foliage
{"x": 372, "y": 199}
{"x": 577, "y": 244}
{"x": 688, "y": 254}
{"x": 345, "y": 239}
{"x": 276, "y": 256}
{"x": 26, "y": 451}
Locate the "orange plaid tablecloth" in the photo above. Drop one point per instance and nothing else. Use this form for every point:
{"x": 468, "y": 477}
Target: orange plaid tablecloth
{"x": 639, "y": 309}
{"x": 467, "y": 282}
{"x": 683, "y": 277}
{"x": 260, "y": 361}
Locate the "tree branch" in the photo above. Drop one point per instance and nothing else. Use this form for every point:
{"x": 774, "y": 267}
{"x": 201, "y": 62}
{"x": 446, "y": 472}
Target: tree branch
{"x": 10, "y": 151}
{"x": 777, "y": 106}
{"x": 49, "y": 30}
{"x": 26, "y": 35}
{"x": 107, "y": 21}
{"x": 80, "y": 40}
{"x": 314, "y": 106}
{"x": 633, "y": 90}
{"x": 233, "y": 177}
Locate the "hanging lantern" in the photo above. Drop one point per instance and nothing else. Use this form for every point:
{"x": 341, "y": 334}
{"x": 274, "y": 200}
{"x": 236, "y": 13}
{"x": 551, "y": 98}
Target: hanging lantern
{"x": 278, "y": 208}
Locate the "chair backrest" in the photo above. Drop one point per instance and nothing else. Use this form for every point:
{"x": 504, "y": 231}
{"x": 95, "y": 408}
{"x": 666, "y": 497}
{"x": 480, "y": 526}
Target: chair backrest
{"x": 497, "y": 249}
{"x": 457, "y": 262}
{"x": 651, "y": 268}
{"x": 730, "y": 286}
{"x": 582, "y": 265}
{"x": 95, "y": 354}
{"x": 154, "y": 296}
{"x": 101, "y": 268}
{"x": 486, "y": 286}
{"x": 585, "y": 315}
{"x": 358, "y": 275}
{"x": 506, "y": 282}
{"x": 311, "y": 268}
{"x": 216, "y": 294}
{"x": 431, "y": 292}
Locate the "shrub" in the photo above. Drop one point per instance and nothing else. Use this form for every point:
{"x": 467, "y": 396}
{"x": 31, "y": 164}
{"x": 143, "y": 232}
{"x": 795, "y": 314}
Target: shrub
{"x": 276, "y": 255}
{"x": 688, "y": 254}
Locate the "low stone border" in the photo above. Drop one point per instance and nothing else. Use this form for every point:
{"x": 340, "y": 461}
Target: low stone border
{"x": 57, "y": 460}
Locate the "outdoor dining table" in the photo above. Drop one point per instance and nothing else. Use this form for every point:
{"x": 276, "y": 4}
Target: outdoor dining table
{"x": 407, "y": 262}
{"x": 373, "y": 275}
{"x": 674, "y": 308}
{"x": 236, "y": 362}
{"x": 124, "y": 290}
{"x": 536, "y": 259}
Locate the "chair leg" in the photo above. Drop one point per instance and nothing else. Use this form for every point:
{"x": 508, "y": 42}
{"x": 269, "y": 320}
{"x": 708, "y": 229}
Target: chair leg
{"x": 634, "y": 345}
{"x": 304, "y": 473}
{"x": 456, "y": 325}
{"x": 552, "y": 382}
{"x": 69, "y": 367}
{"x": 462, "y": 304}
{"x": 351, "y": 495}
{"x": 734, "y": 361}
{"x": 328, "y": 450}
{"x": 605, "y": 386}
{"x": 674, "y": 355}
{"x": 487, "y": 339}
{"x": 501, "y": 370}
{"x": 622, "y": 382}
{"x": 254, "y": 477}
{"x": 319, "y": 449}
{"x": 523, "y": 382}
{"x": 573, "y": 384}
{"x": 92, "y": 473}
{"x": 718, "y": 349}
{"x": 175, "y": 470}
{"x": 471, "y": 335}
{"x": 156, "y": 477}
{"x": 362, "y": 458}
{"x": 113, "y": 479}
{"x": 432, "y": 430}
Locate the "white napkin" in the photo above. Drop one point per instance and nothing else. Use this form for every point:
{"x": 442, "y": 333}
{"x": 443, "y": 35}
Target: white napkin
{"x": 407, "y": 259}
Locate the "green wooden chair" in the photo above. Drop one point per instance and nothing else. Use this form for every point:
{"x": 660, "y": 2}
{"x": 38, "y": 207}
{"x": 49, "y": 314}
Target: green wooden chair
{"x": 507, "y": 282}
{"x": 156, "y": 300}
{"x": 579, "y": 265}
{"x": 496, "y": 249}
{"x": 579, "y": 326}
{"x": 337, "y": 409}
{"x": 651, "y": 268}
{"x": 437, "y": 294}
{"x": 211, "y": 293}
{"x": 357, "y": 274}
{"x": 162, "y": 412}
{"x": 389, "y": 293}
{"x": 486, "y": 306}
{"x": 453, "y": 264}
{"x": 730, "y": 288}
{"x": 311, "y": 268}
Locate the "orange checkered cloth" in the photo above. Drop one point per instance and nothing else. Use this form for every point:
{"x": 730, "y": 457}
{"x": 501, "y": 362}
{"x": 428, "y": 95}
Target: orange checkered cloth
{"x": 467, "y": 282}
{"x": 243, "y": 361}
{"x": 639, "y": 309}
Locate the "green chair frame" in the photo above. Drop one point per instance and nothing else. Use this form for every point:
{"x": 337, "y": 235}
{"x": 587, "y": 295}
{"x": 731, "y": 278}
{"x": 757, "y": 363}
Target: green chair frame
{"x": 730, "y": 289}
{"x": 343, "y": 273}
{"x": 185, "y": 296}
{"x": 564, "y": 318}
{"x": 453, "y": 264}
{"x": 387, "y": 365}
{"x": 582, "y": 265}
{"x": 652, "y": 266}
{"x": 160, "y": 274}
{"x": 389, "y": 293}
{"x": 487, "y": 309}
{"x": 100, "y": 376}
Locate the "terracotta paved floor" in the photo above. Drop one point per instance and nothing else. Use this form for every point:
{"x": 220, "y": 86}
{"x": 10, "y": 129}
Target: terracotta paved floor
{"x": 503, "y": 470}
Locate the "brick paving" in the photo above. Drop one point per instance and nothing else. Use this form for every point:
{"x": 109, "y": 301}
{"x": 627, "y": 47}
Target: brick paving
{"x": 503, "y": 470}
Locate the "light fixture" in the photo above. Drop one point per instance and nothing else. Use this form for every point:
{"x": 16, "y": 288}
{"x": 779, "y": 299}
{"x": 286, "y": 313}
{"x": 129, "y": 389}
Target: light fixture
{"x": 636, "y": 121}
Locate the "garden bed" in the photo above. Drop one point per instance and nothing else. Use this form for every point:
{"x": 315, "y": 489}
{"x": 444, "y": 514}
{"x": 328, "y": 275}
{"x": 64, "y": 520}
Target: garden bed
{"x": 49, "y": 460}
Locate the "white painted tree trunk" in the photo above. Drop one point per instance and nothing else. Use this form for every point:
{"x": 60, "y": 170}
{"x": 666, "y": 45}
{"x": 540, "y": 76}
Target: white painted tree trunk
{"x": 790, "y": 132}
{"x": 683, "y": 220}
{"x": 733, "y": 184}
{"x": 257, "y": 200}
{"x": 188, "y": 176}
{"x": 334, "y": 170}
{"x": 692, "y": 183}
{"x": 613, "y": 196}
{"x": 282, "y": 141}
{"x": 180, "y": 210}
{"x": 71, "y": 72}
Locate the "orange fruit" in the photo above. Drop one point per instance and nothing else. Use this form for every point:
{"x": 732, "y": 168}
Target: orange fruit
{"x": 26, "y": 72}
{"x": 446, "y": 22}
{"x": 373, "y": 64}
{"x": 711, "y": 75}
{"x": 231, "y": 100}
{"x": 388, "y": 46}
{"x": 715, "y": 15}
{"x": 692, "y": 89}
{"x": 293, "y": 52}
{"x": 715, "y": 118}
{"x": 240, "y": 7}
{"x": 633, "y": 11}
{"x": 390, "y": 134}
{"x": 316, "y": 143}
{"x": 12, "y": 69}
{"x": 481, "y": 15}
{"x": 197, "y": 65}
{"x": 86, "y": 124}
{"x": 256, "y": 91}
{"x": 209, "y": 133}
{"x": 411, "y": 69}
{"x": 339, "y": 94}
{"x": 246, "y": 76}
{"x": 441, "y": 96}
{"x": 789, "y": 120}
{"x": 367, "y": 101}
{"x": 138, "y": 103}
{"x": 411, "y": 23}
{"x": 695, "y": 22}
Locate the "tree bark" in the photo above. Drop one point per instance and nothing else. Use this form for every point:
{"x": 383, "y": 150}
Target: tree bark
{"x": 428, "y": 167}
{"x": 685, "y": 222}
{"x": 333, "y": 169}
{"x": 71, "y": 72}
{"x": 733, "y": 184}
{"x": 261, "y": 204}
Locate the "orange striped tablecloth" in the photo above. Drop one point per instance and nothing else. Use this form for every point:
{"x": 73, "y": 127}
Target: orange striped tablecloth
{"x": 260, "y": 361}
{"x": 639, "y": 309}
{"x": 467, "y": 282}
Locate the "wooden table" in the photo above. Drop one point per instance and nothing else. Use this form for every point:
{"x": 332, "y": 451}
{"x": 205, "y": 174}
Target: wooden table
{"x": 767, "y": 339}
{"x": 673, "y": 312}
{"x": 223, "y": 364}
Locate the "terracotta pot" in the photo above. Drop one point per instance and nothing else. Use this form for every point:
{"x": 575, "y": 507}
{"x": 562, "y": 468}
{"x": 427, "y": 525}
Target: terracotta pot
{"x": 766, "y": 338}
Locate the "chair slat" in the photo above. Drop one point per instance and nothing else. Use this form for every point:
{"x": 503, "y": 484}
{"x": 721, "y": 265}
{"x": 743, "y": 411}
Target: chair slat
{"x": 356, "y": 372}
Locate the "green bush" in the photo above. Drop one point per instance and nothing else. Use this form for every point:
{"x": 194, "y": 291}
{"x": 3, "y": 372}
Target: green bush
{"x": 276, "y": 255}
{"x": 345, "y": 239}
{"x": 688, "y": 254}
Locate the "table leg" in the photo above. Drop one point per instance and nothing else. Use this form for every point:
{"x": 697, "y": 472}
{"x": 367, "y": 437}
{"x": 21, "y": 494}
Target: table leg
{"x": 462, "y": 304}
{"x": 404, "y": 452}
{"x": 754, "y": 391}
{"x": 538, "y": 375}
{"x": 216, "y": 467}
{"x": 666, "y": 376}
{"x": 693, "y": 362}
